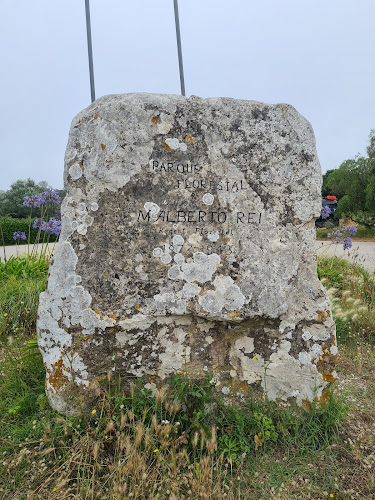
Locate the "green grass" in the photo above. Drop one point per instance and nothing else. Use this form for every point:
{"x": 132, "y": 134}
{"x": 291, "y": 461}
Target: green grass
{"x": 148, "y": 434}
{"x": 22, "y": 279}
{"x": 184, "y": 442}
{"x": 352, "y": 292}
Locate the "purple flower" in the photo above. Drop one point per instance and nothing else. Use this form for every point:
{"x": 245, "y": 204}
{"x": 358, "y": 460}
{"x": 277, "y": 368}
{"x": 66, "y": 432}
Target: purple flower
{"x": 343, "y": 236}
{"x": 49, "y": 196}
{"x": 32, "y": 201}
{"x": 349, "y": 230}
{"x": 19, "y": 235}
{"x": 53, "y": 226}
{"x": 38, "y": 223}
{"x": 348, "y": 243}
{"x": 326, "y": 211}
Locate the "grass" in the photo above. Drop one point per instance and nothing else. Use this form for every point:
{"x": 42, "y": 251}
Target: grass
{"x": 22, "y": 279}
{"x": 182, "y": 442}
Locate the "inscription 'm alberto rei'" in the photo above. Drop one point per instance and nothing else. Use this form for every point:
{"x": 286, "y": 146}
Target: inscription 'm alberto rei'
{"x": 191, "y": 216}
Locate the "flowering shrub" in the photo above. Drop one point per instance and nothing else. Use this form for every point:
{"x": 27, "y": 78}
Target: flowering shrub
{"x": 343, "y": 236}
{"x": 325, "y": 213}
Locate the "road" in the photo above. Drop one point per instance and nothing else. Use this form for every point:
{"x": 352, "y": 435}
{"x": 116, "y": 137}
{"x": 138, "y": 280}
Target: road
{"x": 362, "y": 252}
{"x": 22, "y": 250}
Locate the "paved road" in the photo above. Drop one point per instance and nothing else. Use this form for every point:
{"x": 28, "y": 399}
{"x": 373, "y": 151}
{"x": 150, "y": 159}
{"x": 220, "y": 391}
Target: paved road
{"x": 362, "y": 252}
{"x": 22, "y": 250}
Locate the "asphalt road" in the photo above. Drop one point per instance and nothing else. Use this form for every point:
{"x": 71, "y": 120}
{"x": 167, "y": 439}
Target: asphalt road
{"x": 362, "y": 252}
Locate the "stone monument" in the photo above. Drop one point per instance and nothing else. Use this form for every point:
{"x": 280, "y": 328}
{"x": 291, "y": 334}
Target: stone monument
{"x": 188, "y": 243}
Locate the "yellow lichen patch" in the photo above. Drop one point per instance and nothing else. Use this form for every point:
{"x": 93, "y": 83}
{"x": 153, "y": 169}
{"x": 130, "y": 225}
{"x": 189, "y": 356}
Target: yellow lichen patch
{"x": 136, "y": 307}
{"x": 322, "y": 316}
{"x": 190, "y": 304}
{"x": 100, "y": 300}
{"x": 96, "y": 311}
{"x": 197, "y": 328}
{"x": 103, "y": 146}
{"x": 189, "y": 138}
{"x": 155, "y": 120}
{"x": 327, "y": 373}
{"x": 106, "y": 274}
{"x": 166, "y": 147}
{"x": 101, "y": 318}
{"x": 112, "y": 316}
{"x": 56, "y": 376}
{"x": 227, "y": 239}
{"x": 96, "y": 116}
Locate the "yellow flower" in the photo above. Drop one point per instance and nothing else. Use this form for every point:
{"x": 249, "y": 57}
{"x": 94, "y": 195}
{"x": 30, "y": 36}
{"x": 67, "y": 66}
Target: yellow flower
{"x": 54, "y": 489}
{"x": 5, "y": 315}
{"x": 331, "y": 495}
{"x": 255, "y": 357}
{"x": 156, "y": 450}
{"x": 93, "y": 412}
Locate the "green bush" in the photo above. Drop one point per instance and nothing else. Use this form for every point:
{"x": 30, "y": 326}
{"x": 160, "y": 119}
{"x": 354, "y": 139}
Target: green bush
{"x": 10, "y": 226}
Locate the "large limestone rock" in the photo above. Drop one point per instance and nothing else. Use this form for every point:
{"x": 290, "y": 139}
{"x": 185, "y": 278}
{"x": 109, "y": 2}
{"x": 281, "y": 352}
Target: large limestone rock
{"x": 188, "y": 244}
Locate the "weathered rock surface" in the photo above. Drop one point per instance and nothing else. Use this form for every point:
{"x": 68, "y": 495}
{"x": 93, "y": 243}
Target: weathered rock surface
{"x": 188, "y": 244}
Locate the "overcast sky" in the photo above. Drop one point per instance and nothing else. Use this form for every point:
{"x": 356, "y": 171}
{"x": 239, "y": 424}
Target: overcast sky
{"x": 317, "y": 55}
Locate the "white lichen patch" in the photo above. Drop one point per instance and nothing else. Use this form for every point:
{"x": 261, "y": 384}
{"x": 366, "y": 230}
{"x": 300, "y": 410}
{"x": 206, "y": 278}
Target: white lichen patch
{"x": 75, "y": 171}
{"x": 214, "y": 236}
{"x": 202, "y": 268}
{"x": 226, "y": 295}
{"x": 175, "y": 144}
{"x": 208, "y": 199}
{"x": 190, "y": 290}
{"x": 152, "y": 208}
{"x": 175, "y": 354}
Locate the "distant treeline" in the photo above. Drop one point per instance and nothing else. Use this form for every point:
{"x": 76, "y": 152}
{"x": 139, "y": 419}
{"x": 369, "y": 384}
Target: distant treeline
{"x": 354, "y": 185}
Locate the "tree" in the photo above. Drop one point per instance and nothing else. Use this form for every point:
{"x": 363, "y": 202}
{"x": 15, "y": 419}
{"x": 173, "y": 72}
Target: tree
{"x": 354, "y": 185}
{"x": 11, "y": 200}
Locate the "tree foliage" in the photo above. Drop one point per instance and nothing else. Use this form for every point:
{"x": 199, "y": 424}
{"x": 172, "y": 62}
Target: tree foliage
{"x": 11, "y": 200}
{"x": 354, "y": 185}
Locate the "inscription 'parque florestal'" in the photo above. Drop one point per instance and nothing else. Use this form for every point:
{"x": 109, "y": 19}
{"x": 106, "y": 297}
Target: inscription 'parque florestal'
{"x": 192, "y": 183}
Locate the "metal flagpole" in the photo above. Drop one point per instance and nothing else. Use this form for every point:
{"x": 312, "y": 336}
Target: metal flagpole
{"x": 182, "y": 82}
{"x": 89, "y": 47}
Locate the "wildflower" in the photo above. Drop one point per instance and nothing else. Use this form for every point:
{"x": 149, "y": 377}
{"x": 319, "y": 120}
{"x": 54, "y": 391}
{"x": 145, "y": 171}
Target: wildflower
{"x": 49, "y": 196}
{"x": 54, "y": 489}
{"x": 331, "y": 495}
{"x": 32, "y": 201}
{"x": 38, "y": 223}
{"x": 349, "y": 230}
{"x": 93, "y": 412}
{"x": 53, "y": 226}
{"x": 255, "y": 357}
{"x": 326, "y": 211}
{"x": 5, "y": 315}
{"x": 343, "y": 236}
{"x": 156, "y": 450}
{"x": 19, "y": 235}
